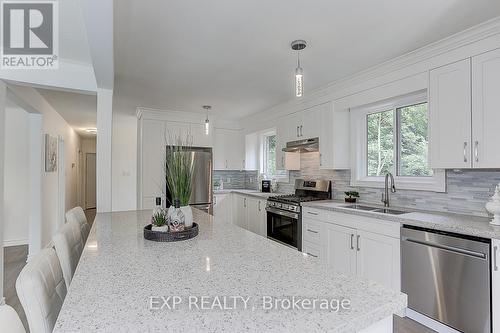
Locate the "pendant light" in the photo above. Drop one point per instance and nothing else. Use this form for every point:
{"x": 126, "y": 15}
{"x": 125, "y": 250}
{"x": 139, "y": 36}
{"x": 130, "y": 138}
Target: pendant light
{"x": 298, "y": 45}
{"x": 207, "y": 122}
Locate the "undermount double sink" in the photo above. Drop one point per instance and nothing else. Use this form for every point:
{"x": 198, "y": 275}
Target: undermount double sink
{"x": 376, "y": 209}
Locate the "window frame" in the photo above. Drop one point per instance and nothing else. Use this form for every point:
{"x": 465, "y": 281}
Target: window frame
{"x": 359, "y": 136}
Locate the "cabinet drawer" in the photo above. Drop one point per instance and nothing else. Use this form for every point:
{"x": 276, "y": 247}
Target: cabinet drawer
{"x": 312, "y": 230}
{"x": 316, "y": 214}
{"x": 312, "y": 250}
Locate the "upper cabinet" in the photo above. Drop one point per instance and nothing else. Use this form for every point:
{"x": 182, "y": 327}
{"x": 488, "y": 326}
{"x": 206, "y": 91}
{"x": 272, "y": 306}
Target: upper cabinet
{"x": 450, "y": 116}
{"x": 252, "y": 151}
{"x": 464, "y": 116}
{"x": 229, "y": 149}
{"x": 320, "y": 121}
{"x": 486, "y": 110}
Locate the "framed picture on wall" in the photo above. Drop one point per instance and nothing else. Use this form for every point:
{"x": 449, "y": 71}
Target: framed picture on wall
{"x": 50, "y": 153}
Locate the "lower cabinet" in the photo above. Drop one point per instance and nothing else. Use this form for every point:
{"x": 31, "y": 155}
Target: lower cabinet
{"x": 222, "y": 207}
{"x": 354, "y": 245}
{"x": 250, "y": 213}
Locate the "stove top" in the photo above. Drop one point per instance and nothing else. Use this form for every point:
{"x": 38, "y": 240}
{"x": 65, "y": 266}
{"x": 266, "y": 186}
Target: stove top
{"x": 305, "y": 190}
{"x": 293, "y": 198}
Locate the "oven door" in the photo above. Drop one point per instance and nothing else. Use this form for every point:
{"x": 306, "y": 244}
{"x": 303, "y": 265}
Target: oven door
{"x": 283, "y": 226}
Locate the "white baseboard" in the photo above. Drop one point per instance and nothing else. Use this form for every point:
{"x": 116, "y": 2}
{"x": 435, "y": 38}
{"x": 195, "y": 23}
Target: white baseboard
{"x": 429, "y": 322}
{"x": 15, "y": 242}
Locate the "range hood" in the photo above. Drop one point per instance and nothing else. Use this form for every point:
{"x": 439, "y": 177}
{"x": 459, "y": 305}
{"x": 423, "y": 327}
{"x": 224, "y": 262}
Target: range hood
{"x": 302, "y": 146}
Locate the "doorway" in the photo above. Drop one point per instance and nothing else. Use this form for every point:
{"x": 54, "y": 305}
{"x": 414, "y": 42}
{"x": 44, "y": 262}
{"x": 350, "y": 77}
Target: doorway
{"x": 90, "y": 181}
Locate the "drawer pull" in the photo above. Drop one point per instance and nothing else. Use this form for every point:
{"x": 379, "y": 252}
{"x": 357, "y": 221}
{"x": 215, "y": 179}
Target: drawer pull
{"x": 312, "y": 255}
{"x": 312, "y": 213}
{"x": 357, "y": 243}
{"x": 313, "y": 231}
{"x": 352, "y": 241}
{"x": 495, "y": 266}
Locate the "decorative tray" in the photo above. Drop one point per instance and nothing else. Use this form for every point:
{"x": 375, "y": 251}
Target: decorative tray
{"x": 161, "y": 236}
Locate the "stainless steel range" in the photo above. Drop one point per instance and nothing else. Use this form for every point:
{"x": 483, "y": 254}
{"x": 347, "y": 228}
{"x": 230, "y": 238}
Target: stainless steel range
{"x": 284, "y": 212}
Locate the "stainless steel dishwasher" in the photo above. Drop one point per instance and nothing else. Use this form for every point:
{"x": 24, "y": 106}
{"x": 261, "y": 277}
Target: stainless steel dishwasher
{"x": 447, "y": 277}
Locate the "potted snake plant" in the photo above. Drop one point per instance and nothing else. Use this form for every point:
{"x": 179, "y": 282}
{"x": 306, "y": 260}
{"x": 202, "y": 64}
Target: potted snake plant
{"x": 179, "y": 168}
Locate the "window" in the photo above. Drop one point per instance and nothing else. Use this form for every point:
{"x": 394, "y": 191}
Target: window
{"x": 393, "y": 137}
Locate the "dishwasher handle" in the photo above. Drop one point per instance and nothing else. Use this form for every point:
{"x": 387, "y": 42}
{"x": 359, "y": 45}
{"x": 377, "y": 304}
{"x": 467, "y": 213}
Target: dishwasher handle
{"x": 454, "y": 249}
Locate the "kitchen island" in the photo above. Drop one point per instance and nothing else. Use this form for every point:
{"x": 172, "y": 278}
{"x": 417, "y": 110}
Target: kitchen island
{"x": 225, "y": 279}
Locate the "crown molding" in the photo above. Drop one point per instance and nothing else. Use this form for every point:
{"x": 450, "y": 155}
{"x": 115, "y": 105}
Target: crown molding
{"x": 461, "y": 39}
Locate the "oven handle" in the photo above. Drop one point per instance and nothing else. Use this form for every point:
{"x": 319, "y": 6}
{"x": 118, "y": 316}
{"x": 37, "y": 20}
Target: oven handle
{"x": 282, "y": 212}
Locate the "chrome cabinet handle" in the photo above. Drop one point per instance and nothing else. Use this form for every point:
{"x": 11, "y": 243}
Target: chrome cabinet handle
{"x": 226, "y": 164}
{"x": 476, "y": 150}
{"x": 312, "y": 255}
{"x": 245, "y": 202}
{"x": 312, "y": 213}
{"x": 357, "y": 243}
{"x": 495, "y": 267}
{"x": 465, "y": 151}
{"x": 320, "y": 158}
{"x": 352, "y": 241}
{"x": 300, "y": 130}
{"x": 259, "y": 207}
{"x": 313, "y": 231}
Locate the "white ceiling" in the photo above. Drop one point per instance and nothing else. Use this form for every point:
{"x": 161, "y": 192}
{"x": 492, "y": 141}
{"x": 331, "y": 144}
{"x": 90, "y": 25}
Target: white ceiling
{"x": 235, "y": 55}
{"x": 79, "y": 110}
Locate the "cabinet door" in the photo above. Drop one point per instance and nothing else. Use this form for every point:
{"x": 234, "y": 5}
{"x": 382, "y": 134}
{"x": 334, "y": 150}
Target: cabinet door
{"x": 221, "y": 211}
{"x": 293, "y": 123}
{"x": 486, "y": 110}
{"x": 495, "y": 283}
{"x": 340, "y": 248}
{"x": 252, "y": 151}
{"x": 220, "y": 150}
{"x": 235, "y": 150}
{"x": 378, "y": 258}
{"x": 252, "y": 215}
{"x": 262, "y": 218}
{"x": 239, "y": 211}
{"x": 175, "y": 130}
{"x": 450, "y": 116}
{"x": 325, "y": 130}
{"x": 153, "y": 154}
{"x": 312, "y": 122}
{"x": 282, "y": 137}
{"x": 200, "y": 139}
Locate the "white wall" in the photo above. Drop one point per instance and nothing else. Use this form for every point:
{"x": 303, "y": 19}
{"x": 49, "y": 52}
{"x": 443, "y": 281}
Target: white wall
{"x": 124, "y": 163}
{"x": 55, "y": 125}
{"x": 16, "y": 173}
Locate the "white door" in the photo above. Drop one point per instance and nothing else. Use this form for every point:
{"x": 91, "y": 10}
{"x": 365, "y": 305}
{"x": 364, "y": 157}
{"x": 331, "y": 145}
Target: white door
{"x": 486, "y": 110}
{"x": 378, "y": 258}
{"x": 340, "y": 250}
{"x": 450, "y": 116}
{"x": 90, "y": 181}
{"x": 61, "y": 182}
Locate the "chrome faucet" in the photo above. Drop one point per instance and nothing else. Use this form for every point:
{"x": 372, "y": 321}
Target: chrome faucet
{"x": 385, "y": 195}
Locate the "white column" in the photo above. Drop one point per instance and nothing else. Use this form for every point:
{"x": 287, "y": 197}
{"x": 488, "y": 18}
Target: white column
{"x": 35, "y": 174}
{"x": 3, "y": 92}
{"x": 104, "y": 140}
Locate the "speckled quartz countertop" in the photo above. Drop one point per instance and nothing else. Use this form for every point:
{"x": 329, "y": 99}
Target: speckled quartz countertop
{"x": 120, "y": 273}
{"x": 461, "y": 224}
{"x": 253, "y": 193}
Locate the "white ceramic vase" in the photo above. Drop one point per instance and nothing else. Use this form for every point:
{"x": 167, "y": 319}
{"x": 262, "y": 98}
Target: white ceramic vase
{"x": 188, "y": 214}
{"x": 493, "y": 206}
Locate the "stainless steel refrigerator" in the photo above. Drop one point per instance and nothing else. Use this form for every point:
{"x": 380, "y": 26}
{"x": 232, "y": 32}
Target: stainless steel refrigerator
{"x": 201, "y": 184}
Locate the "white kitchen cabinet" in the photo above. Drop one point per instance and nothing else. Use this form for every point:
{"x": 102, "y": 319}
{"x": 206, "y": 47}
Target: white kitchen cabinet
{"x": 495, "y": 283}
{"x": 378, "y": 258}
{"x": 250, "y": 213}
{"x": 252, "y": 148}
{"x": 340, "y": 248}
{"x": 229, "y": 149}
{"x": 294, "y": 124}
{"x": 199, "y": 137}
{"x": 222, "y": 207}
{"x": 354, "y": 245}
{"x": 486, "y": 110}
{"x": 450, "y": 116}
{"x": 281, "y": 140}
{"x": 153, "y": 153}
{"x": 176, "y": 130}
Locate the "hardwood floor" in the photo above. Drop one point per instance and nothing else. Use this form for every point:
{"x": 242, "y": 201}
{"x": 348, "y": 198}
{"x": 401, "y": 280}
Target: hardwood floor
{"x": 14, "y": 261}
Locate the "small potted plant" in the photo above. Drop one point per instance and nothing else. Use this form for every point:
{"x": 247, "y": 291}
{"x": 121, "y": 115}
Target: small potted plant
{"x": 159, "y": 221}
{"x": 351, "y": 196}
